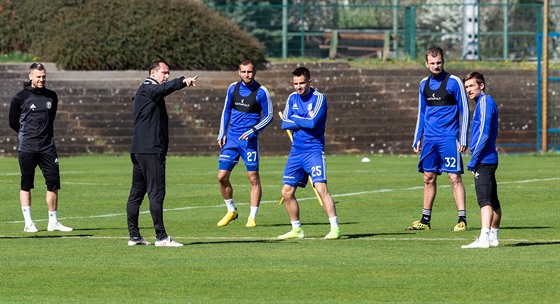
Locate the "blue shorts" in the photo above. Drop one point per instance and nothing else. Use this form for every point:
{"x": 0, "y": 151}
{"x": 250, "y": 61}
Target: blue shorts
{"x": 441, "y": 155}
{"x": 302, "y": 164}
{"x": 234, "y": 148}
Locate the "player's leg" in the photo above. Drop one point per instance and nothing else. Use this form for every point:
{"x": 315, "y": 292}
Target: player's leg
{"x": 452, "y": 164}
{"x": 48, "y": 162}
{"x": 154, "y": 167}
{"x": 256, "y": 195}
{"x": 496, "y": 208}
{"x": 483, "y": 188}
{"x": 251, "y": 157}
{"x": 316, "y": 166}
{"x": 293, "y": 175}
{"x": 229, "y": 156}
{"x": 134, "y": 201}
{"x": 27, "y": 165}
{"x": 428, "y": 165}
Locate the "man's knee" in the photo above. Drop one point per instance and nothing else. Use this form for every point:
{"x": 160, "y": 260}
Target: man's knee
{"x": 53, "y": 184}
{"x": 223, "y": 176}
{"x": 455, "y": 179}
{"x": 288, "y": 191}
{"x": 430, "y": 178}
{"x": 27, "y": 182}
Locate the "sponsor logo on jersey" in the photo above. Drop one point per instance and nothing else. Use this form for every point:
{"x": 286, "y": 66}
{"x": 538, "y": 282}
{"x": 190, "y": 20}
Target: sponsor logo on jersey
{"x": 33, "y": 107}
{"x": 433, "y": 97}
{"x": 242, "y": 103}
{"x": 294, "y": 106}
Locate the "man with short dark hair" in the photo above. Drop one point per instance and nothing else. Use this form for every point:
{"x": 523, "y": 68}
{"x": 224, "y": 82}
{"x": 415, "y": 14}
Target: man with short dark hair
{"x": 441, "y": 136}
{"x": 150, "y": 141}
{"x": 306, "y": 116}
{"x": 484, "y": 161}
{"x": 32, "y": 114}
{"x": 240, "y": 125}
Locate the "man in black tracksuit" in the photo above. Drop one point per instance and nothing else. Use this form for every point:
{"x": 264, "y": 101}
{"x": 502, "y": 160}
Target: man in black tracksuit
{"x": 32, "y": 114}
{"x": 150, "y": 141}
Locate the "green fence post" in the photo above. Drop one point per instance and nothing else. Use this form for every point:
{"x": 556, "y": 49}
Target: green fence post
{"x": 410, "y": 31}
{"x": 386, "y": 45}
{"x": 334, "y": 45}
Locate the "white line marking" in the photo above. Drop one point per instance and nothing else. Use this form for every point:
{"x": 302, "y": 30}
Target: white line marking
{"x": 276, "y": 201}
{"x": 218, "y": 238}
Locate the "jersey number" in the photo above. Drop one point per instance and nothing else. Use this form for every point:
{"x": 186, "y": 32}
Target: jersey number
{"x": 316, "y": 171}
{"x": 450, "y": 162}
{"x": 252, "y": 156}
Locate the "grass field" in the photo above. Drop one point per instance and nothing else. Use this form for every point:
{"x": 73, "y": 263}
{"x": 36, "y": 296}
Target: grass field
{"x": 375, "y": 261}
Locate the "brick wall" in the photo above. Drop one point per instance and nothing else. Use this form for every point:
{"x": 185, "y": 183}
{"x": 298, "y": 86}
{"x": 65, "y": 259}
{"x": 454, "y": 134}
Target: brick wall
{"x": 370, "y": 111}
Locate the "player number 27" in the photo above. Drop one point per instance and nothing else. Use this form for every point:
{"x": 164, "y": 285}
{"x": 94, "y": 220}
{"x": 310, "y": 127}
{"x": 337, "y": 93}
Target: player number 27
{"x": 316, "y": 171}
{"x": 252, "y": 156}
{"x": 450, "y": 162}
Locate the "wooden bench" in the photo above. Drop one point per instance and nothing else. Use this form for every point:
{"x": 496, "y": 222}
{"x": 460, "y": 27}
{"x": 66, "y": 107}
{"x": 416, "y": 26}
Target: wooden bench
{"x": 354, "y": 44}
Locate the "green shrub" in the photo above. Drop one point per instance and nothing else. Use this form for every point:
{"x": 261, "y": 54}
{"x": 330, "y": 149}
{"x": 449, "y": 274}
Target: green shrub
{"x": 125, "y": 34}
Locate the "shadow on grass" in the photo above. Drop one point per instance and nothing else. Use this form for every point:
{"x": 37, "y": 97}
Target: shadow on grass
{"x": 365, "y": 235}
{"x": 233, "y": 242}
{"x": 326, "y": 222}
{"x": 524, "y": 244}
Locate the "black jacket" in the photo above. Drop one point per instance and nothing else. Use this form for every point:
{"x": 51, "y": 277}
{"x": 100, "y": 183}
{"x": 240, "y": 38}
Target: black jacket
{"x": 32, "y": 114}
{"x": 151, "y": 124}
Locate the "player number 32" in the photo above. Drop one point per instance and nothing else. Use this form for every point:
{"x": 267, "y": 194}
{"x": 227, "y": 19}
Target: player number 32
{"x": 450, "y": 162}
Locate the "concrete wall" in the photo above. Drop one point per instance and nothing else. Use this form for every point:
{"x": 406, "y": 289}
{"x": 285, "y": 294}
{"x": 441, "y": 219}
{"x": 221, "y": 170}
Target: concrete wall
{"x": 370, "y": 111}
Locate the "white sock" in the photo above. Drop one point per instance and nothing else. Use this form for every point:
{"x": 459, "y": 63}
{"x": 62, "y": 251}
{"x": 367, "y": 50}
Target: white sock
{"x": 494, "y": 233}
{"x": 334, "y": 221}
{"x": 484, "y": 234}
{"x": 27, "y": 215}
{"x": 230, "y": 205}
{"x": 296, "y": 224}
{"x": 53, "y": 218}
{"x": 254, "y": 211}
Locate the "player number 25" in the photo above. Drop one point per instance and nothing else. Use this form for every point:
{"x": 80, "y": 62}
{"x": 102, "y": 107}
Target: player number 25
{"x": 316, "y": 171}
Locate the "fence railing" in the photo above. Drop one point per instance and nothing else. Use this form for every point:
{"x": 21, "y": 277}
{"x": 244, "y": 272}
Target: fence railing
{"x": 505, "y": 31}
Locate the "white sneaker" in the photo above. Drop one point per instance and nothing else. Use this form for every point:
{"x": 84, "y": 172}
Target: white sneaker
{"x": 478, "y": 243}
{"x": 494, "y": 243}
{"x": 58, "y": 227}
{"x": 30, "y": 228}
{"x": 168, "y": 242}
{"x": 138, "y": 242}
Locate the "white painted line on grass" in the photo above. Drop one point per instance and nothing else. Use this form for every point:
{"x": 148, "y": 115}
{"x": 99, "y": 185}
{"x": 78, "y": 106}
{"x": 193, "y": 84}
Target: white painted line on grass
{"x": 276, "y": 201}
{"x": 220, "y": 238}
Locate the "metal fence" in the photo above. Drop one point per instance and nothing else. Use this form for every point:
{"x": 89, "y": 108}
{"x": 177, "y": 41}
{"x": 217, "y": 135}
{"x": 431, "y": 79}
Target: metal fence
{"x": 505, "y": 31}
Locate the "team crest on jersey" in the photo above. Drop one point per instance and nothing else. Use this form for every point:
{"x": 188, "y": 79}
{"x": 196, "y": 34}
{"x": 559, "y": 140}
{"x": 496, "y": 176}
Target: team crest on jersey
{"x": 309, "y": 107}
{"x": 49, "y": 105}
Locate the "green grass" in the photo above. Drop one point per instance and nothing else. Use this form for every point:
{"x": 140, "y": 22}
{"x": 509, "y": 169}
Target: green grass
{"x": 375, "y": 261}
{"x": 17, "y": 56}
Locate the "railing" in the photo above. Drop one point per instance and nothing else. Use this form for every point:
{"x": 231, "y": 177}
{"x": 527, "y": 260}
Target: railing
{"x": 505, "y": 31}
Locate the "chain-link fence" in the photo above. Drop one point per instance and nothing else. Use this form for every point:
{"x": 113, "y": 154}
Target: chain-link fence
{"x": 504, "y": 31}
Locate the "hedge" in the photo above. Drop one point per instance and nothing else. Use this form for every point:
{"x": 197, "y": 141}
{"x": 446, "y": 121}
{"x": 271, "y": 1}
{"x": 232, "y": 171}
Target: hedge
{"x": 125, "y": 34}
